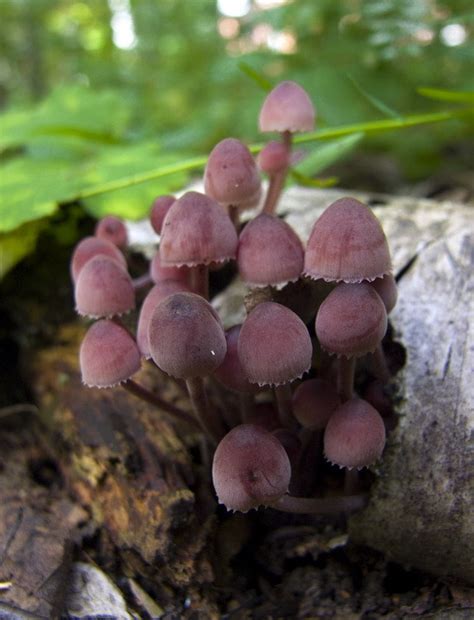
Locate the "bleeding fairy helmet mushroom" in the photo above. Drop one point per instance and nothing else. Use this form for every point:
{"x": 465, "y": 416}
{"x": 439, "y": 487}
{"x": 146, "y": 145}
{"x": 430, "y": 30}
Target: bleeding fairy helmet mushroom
{"x": 111, "y": 228}
{"x": 386, "y": 287}
{"x": 104, "y": 288}
{"x": 108, "y": 355}
{"x": 314, "y": 401}
{"x": 250, "y": 469}
{"x": 274, "y": 345}
{"x": 186, "y": 337}
{"x": 269, "y": 252}
{"x": 158, "y": 211}
{"x": 159, "y": 273}
{"x": 230, "y": 372}
{"x": 274, "y": 157}
{"x": 231, "y": 177}
{"x": 196, "y": 231}
{"x": 347, "y": 244}
{"x": 287, "y": 108}
{"x": 354, "y": 435}
{"x": 89, "y": 247}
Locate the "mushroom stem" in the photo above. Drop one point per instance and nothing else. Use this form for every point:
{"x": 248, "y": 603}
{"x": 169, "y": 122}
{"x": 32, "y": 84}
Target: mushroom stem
{"x": 200, "y": 280}
{"x": 235, "y": 217}
{"x": 284, "y": 405}
{"x": 142, "y": 281}
{"x": 277, "y": 181}
{"x": 149, "y": 397}
{"x": 211, "y": 423}
{"x": 320, "y": 505}
{"x": 379, "y": 364}
{"x": 345, "y": 377}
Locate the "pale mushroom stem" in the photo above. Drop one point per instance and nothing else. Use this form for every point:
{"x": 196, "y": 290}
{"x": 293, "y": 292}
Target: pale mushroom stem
{"x": 277, "y": 181}
{"x": 142, "y": 281}
{"x": 320, "y": 505}
{"x": 200, "y": 280}
{"x": 207, "y": 418}
{"x": 345, "y": 377}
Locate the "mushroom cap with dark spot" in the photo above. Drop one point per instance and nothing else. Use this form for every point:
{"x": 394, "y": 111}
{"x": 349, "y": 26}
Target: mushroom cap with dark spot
{"x": 231, "y": 176}
{"x": 269, "y": 252}
{"x": 186, "y": 337}
{"x": 108, "y": 355}
{"x": 250, "y": 469}
{"x": 196, "y": 231}
{"x": 103, "y": 288}
{"x": 347, "y": 244}
{"x": 274, "y": 345}
{"x": 287, "y": 108}
{"x": 354, "y": 435}
{"x": 352, "y": 320}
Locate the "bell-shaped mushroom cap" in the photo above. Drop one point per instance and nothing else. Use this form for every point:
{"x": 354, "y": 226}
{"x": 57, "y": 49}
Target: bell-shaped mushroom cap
{"x": 269, "y": 252}
{"x": 160, "y": 291}
{"x": 386, "y": 287}
{"x": 314, "y": 401}
{"x": 231, "y": 176}
{"x": 196, "y": 231}
{"x": 347, "y": 244}
{"x": 274, "y": 157}
{"x": 274, "y": 345}
{"x": 351, "y": 321}
{"x": 160, "y": 273}
{"x": 89, "y": 247}
{"x": 287, "y": 108}
{"x": 108, "y": 355}
{"x": 103, "y": 288}
{"x": 250, "y": 469}
{"x": 111, "y": 228}
{"x": 186, "y": 337}
{"x": 230, "y": 372}
{"x": 354, "y": 435}
{"x": 158, "y": 211}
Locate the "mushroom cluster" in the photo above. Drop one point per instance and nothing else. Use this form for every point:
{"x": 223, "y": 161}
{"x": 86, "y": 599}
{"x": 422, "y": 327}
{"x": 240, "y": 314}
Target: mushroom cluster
{"x": 292, "y": 383}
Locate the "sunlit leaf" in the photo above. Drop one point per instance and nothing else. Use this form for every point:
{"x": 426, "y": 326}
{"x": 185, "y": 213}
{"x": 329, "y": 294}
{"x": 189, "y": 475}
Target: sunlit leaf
{"x": 17, "y": 244}
{"x": 455, "y": 96}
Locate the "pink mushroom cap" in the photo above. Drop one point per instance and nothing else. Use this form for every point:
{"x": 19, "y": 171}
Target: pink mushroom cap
{"x": 269, "y": 252}
{"x": 352, "y": 320}
{"x": 354, "y": 435}
{"x": 347, "y": 244}
{"x": 231, "y": 176}
{"x": 196, "y": 231}
{"x": 89, "y": 247}
{"x": 274, "y": 157}
{"x": 108, "y": 355}
{"x": 111, "y": 228}
{"x": 103, "y": 288}
{"x": 274, "y": 345}
{"x": 250, "y": 469}
{"x": 287, "y": 108}
{"x": 230, "y": 373}
{"x": 158, "y": 211}
{"x": 314, "y": 401}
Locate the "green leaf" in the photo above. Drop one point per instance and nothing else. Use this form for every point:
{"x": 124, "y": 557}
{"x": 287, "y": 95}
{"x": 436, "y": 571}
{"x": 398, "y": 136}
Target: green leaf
{"x": 326, "y": 154}
{"x": 456, "y": 96}
{"x": 17, "y": 244}
{"x": 377, "y": 103}
{"x": 256, "y": 76}
{"x": 306, "y": 181}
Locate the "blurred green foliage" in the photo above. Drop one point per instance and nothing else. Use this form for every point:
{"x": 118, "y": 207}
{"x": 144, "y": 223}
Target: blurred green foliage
{"x": 93, "y": 92}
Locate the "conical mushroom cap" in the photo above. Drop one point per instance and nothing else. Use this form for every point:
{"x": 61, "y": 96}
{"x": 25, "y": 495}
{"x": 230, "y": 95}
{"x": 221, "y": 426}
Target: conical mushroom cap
{"x": 274, "y": 345}
{"x": 287, "y": 108}
{"x": 269, "y": 252}
{"x": 89, "y": 247}
{"x": 103, "y": 288}
{"x": 158, "y": 211}
{"x": 231, "y": 176}
{"x": 347, "y": 244}
{"x": 111, "y": 228}
{"x": 250, "y": 469}
{"x": 108, "y": 355}
{"x": 352, "y": 320}
{"x": 196, "y": 231}
{"x": 354, "y": 435}
{"x": 186, "y": 337}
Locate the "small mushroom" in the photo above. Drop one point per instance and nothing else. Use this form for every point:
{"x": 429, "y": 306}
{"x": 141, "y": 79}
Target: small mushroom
{"x": 111, "y": 228}
{"x": 158, "y": 211}
{"x": 89, "y": 247}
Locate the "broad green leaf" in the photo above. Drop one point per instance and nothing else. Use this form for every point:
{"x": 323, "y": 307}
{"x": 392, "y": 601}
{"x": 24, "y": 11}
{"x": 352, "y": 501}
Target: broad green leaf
{"x": 456, "y": 96}
{"x": 17, "y": 244}
{"x": 326, "y": 154}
